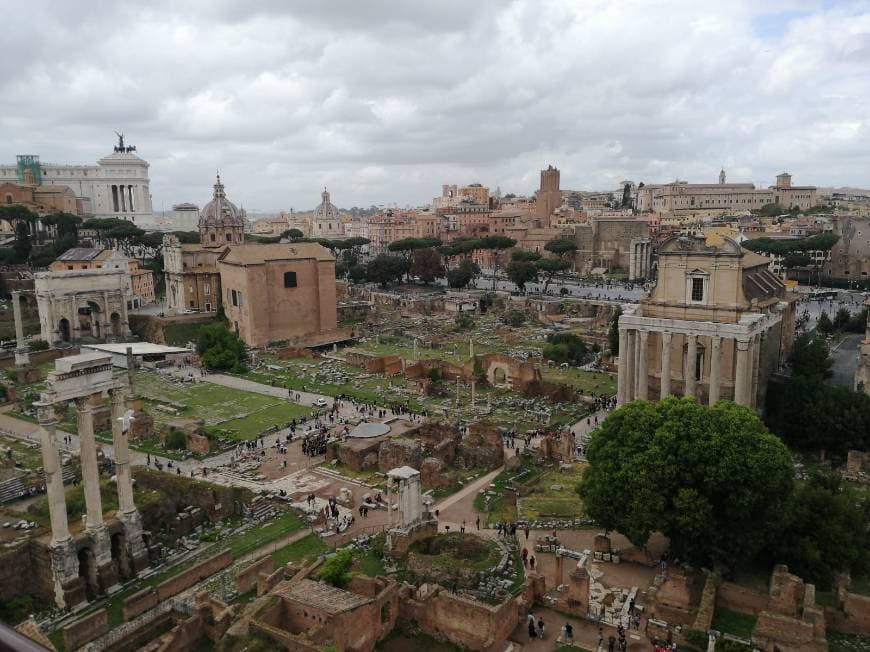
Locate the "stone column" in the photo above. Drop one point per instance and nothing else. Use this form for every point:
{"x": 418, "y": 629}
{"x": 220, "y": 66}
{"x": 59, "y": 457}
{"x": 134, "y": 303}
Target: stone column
{"x": 715, "y": 367}
{"x": 742, "y": 374}
{"x": 622, "y": 379}
{"x": 642, "y": 372}
{"x": 122, "y": 453}
{"x": 53, "y": 473}
{"x": 22, "y": 357}
{"x": 127, "y": 511}
{"x": 90, "y": 471}
{"x": 68, "y": 591}
{"x": 666, "y": 365}
{"x": 756, "y": 369}
{"x": 630, "y": 367}
{"x": 691, "y": 361}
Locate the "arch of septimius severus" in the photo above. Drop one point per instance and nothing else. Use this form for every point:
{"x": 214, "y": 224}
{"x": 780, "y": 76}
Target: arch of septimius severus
{"x": 93, "y": 561}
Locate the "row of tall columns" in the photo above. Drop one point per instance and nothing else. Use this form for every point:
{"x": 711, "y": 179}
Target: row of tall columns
{"x": 633, "y": 378}
{"x": 65, "y": 565}
{"x": 639, "y": 259}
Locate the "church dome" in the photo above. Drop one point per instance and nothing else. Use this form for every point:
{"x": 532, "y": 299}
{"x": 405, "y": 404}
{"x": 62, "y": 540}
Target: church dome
{"x": 327, "y": 210}
{"x": 220, "y": 211}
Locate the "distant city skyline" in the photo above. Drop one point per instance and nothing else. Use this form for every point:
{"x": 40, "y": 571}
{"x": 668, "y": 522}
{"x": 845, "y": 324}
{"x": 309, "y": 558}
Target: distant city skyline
{"x": 383, "y": 102}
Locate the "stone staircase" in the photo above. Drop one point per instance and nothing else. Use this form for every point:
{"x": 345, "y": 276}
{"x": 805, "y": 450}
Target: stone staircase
{"x": 11, "y": 489}
{"x": 68, "y": 474}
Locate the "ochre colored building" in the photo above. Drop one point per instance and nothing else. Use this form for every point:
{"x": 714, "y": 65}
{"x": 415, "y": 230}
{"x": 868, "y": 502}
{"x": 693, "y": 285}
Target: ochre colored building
{"x": 278, "y": 292}
{"x": 718, "y": 324}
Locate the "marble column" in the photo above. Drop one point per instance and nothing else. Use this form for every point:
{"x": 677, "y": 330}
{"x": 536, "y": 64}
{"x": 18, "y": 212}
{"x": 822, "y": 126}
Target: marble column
{"x": 90, "y": 470}
{"x": 127, "y": 511}
{"x": 630, "y": 366}
{"x": 666, "y": 365}
{"x": 53, "y": 473}
{"x": 22, "y": 356}
{"x": 122, "y": 453}
{"x": 742, "y": 378}
{"x": 715, "y": 368}
{"x": 622, "y": 379}
{"x": 756, "y": 369}
{"x": 691, "y": 361}
{"x": 642, "y": 371}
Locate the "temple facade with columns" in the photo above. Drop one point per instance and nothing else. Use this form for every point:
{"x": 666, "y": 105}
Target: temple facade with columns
{"x": 717, "y": 325}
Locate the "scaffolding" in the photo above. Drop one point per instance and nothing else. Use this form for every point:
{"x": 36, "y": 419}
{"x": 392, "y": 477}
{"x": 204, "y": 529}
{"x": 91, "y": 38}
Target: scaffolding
{"x": 29, "y": 162}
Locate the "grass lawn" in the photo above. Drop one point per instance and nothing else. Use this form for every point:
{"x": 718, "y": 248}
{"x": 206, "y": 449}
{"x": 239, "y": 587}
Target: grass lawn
{"x": 259, "y": 536}
{"x": 235, "y": 413}
{"x": 571, "y": 648}
{"x": 29, "y": 456}
{"x": 586, "y": 382}
{"x": 734, "y": 623}
{"x": 501, "y": 510}
{"x": 545, "y": 502}
{"x": 307, "y": 548}
{"x": 371, "y": 564}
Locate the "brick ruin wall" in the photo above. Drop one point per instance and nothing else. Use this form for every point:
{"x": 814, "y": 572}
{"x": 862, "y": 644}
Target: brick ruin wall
{"x": 85, "y": 630}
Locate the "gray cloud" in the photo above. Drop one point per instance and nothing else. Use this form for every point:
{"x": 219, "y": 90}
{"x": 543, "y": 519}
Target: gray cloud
{"x": 383, "y": 101}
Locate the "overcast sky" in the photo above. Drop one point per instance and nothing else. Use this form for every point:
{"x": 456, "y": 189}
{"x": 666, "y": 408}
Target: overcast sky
{"x": 383, "y": 101}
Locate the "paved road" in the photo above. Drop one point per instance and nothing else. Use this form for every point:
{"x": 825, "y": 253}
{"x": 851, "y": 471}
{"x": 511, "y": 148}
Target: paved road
{"x": 845, "y": 355}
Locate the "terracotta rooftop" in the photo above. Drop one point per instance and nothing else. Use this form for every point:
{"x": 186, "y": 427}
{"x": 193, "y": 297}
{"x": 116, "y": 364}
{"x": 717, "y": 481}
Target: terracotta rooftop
{"x": 320, "y": 595}
{"x": 256, "y": 254}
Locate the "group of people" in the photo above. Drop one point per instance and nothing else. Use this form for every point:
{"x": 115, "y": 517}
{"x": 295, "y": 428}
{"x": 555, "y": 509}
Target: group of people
{"x": 314, "y": 445}
{"x": 536, "y": 629}
{"x": 528, "y": 562}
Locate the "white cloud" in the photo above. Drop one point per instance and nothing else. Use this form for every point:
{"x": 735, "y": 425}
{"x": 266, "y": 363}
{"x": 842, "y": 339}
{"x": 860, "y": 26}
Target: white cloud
{"x": 385, "y": 100}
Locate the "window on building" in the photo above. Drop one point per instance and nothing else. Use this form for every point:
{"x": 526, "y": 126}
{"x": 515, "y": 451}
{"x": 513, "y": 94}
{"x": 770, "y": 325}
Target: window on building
{"x": 8, "y": 199}
{"x": 229, "y": 238}
{"x": 235, "y": 298}
{"x": 206, "y": 289}
{"x": 213, "y": 238}
{"x": 697, "y": 289}
{"x": 289, "y": 279}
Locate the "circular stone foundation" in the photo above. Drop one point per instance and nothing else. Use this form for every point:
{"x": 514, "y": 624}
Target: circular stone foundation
{"x": 369, "y": 430}
{"x": 452, "y": 559}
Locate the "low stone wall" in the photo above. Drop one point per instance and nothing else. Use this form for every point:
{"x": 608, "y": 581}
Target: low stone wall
{"x": 150, "y": 597}
{"x": 184, "y": 636}
{"x": 248, "y": 577}
{"x": 739, "y": 598}
{"x": 85, "y": 630}
{"x": 779, "y": 632}
{"x": 139, "y": 602}
{"x": 467, "y": 623}
{"x": 191, "y": 576}
{"x": 852, "y": 617}
{"x": 707, "y": 604}
{"x": 7, "y": 359}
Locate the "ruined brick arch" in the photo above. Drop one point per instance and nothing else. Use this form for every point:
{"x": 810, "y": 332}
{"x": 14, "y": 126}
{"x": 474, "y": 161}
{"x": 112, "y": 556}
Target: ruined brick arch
{"x": 499, "y": 373}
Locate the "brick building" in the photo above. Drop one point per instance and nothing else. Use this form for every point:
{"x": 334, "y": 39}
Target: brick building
{"x": 278, "y": 292}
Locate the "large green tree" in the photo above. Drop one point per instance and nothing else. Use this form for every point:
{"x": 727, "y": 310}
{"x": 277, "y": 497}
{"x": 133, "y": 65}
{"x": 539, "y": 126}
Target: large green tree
{"x": 497, "y": 244}
{"x": 521, "y": 272}
{"x": 810, "y": 358}
{"x": 23, "y": 243}
{"x": 550, "y": 267}
{"x": 426, "y": 265}
{"x": 385, "y": 269}
{"x": 460, "y": 276}
{"x": 711, "y": 479}
{"x": 221, "y": 349}
{"x": 826, "y": 530}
